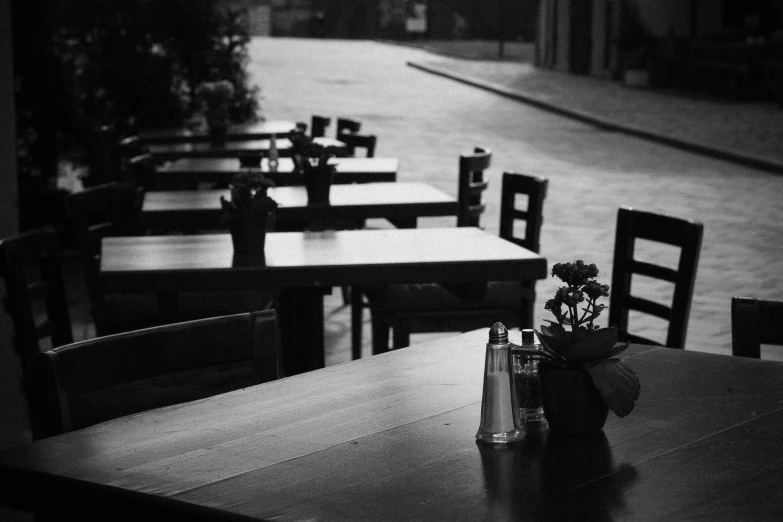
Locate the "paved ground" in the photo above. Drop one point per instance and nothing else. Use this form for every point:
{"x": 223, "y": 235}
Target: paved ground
{"x": 427, "y": 121}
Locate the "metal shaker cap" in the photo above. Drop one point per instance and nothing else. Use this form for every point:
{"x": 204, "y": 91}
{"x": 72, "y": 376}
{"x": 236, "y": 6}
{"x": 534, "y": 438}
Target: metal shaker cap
{"x": 498, "y": 334}
{"x": 528, "y": 336}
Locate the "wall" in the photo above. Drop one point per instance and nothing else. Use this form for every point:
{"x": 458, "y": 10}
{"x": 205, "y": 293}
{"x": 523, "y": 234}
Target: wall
{"x": 13, "y": 427}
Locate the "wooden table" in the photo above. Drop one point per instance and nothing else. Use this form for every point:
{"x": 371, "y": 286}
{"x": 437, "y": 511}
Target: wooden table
{"x": 232, "y": 149}
{"x": 247, "y": 131}
{"x": 188, "y": 172}
{"x": 401, "y": 203}
{"x": 391, "y": 437}
{"x": 306, "y": 263}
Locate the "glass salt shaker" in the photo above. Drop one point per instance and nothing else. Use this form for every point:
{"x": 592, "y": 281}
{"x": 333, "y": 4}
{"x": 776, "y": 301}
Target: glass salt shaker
{"x": 526, "y": 381}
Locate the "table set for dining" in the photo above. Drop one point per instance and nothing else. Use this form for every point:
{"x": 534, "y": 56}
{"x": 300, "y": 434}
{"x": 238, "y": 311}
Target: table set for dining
{"x": 393, "y": 436}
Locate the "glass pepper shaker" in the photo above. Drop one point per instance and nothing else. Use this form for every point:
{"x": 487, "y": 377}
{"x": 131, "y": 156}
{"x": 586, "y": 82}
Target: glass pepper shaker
{"x": 526, "y": 380}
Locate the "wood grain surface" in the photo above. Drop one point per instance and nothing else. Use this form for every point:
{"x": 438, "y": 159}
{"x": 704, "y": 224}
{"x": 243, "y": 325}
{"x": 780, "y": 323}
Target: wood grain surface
{"x": 231, "y": 149}
{"x": 186, "y": 171}
{"x": 408, "y": 200}
{"x": 391, "y": 437}
{"x": 314, "y": 259}
{"x": 248, "y": 131}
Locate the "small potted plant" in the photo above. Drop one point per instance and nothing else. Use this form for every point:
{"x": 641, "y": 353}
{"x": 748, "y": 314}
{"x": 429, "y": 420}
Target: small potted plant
{"x": 215, "y": 101}
{"x": 311, "y": 160}
{"x": 578, "y": 396}
{"x": 250, "y": 212}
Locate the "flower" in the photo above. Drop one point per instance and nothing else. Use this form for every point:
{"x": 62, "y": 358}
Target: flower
{"x": 215, "y": 100}
{"x": 581, "y": 288}
{"x": 214, "y": 94}
{"x": 586, "y": 344}
{"x": 248, "y": 195}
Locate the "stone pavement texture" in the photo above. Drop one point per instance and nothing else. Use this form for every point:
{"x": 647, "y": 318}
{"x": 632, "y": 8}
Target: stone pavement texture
{"x": 427, "y": 121}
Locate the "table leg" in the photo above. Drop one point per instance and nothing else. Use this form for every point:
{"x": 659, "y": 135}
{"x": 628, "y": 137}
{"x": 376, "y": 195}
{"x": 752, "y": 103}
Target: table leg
{"x": 301, "y": 321}
{"x": 403, "y": 222}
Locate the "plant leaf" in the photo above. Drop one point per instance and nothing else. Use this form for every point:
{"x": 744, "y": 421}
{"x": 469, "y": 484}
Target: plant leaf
{"x": 617, "y": 382}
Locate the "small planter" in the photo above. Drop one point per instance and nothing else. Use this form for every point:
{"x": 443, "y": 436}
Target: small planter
{"x": 318, "y": 185}
{"x": 218, "y": 134}
{"x": 572, "y": 404}
{"x": 248, "y": 232}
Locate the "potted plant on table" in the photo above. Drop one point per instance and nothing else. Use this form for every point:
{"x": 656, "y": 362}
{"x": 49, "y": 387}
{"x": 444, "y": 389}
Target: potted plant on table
{"x": 578, "y": 396}
{"x": 312, "y": 161}
{"x": 250, "y": 212}
{"x": 215, "y": 99}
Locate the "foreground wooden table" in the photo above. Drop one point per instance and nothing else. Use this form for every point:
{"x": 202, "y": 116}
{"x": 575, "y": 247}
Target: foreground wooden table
{"x": 391, "y": 437}
{"x": 306, "y": 264}
{"x": 247, "y": 131}
{"x": 401, "y": 203}
{"x": 188, "y": 172}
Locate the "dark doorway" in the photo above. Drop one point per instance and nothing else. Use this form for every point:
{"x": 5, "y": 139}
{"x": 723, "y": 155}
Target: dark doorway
{"x": 581, "y": 38}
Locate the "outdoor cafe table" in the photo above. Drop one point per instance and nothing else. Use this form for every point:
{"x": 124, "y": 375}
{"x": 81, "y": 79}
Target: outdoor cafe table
{"x": 303, "y": 264}
{"x": 247, "y": 131}
{"x": 391, "y": 437}
{"x": 188, "y": 172}
{"x": 401, "y": 203}
{"x": 231, "y": 149}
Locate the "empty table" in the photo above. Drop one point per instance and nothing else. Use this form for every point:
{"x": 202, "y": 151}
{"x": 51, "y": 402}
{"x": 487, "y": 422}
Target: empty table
{"x": 246, "y": 131}
{"x": 305, "y": 263}
{"x": 401, "y": 203}
{"x": 188, "y": 172}
{"x": 231, "y": 149}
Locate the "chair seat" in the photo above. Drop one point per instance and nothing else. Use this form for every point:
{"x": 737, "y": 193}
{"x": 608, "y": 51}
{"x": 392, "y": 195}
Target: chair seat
{"x": 464, "y": 296}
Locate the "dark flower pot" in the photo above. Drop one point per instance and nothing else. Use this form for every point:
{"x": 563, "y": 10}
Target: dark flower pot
{"x": 572, "y": 404}
{"x": 318, "y": 185}
{"x": 218, "y": 134}
{"x": 248, "y": 232}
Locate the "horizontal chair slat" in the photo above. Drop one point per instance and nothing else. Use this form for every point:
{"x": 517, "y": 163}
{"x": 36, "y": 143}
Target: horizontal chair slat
{"x": 655, "y": 271}
{"x": 648, "y": 307}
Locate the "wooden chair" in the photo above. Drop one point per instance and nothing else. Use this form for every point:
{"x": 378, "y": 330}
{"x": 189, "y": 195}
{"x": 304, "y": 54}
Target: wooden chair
{"x": 755, "y": 322}
{"x": 35, "y": 298}
{"x": 471, "y": 186}
{"x": 435, "y": 307}
{"x": 347, "y": 126}
{"x": 93, "y": 381}
{"x": 113, "y": 210}
{"x": 103, "y": 157}
{"x": 318, "y": 126}
{"x": 635, "y": 224}
{"x": 360, "y": 141}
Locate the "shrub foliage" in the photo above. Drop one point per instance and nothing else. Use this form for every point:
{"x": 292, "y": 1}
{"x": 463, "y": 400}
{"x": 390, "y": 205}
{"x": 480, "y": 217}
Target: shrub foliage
{"x": 80, "y": 64}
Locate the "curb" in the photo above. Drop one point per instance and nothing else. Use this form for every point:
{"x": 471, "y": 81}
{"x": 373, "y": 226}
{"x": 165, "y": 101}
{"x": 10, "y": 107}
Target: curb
{"x": 734, "y": 156}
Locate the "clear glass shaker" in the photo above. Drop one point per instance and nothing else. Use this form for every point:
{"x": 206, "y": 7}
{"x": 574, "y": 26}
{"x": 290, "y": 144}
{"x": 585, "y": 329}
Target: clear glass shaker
{"x": 526, "y": 381}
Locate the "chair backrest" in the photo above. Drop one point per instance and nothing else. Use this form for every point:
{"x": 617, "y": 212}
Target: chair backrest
{"x": 471, "y": 186}
{"x": 347, "y": 125}
{"x": 635, "y": 224}
{"x": 360, "y": 141}
{"x": 318, "y": 126}
{"x": 104, "y": 156}
{"x": 533, "y": 216}
{"x": 35, "y": 299}
{"x": 755, "y": 322}
{"x": 112, "y": 209}
{"x": 139, "y": 171}
{"x": 30, "y": 265}
{"x": 93, "y": 381}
